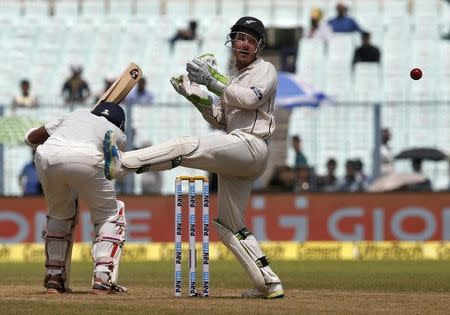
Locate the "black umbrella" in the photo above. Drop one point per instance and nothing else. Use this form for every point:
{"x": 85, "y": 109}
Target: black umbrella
{"x": 422, "y": 154}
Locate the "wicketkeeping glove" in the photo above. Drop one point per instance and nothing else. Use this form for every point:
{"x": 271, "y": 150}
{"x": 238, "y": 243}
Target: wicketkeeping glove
{"x": 192, "y": 92}
{"x": 202, "y": 70}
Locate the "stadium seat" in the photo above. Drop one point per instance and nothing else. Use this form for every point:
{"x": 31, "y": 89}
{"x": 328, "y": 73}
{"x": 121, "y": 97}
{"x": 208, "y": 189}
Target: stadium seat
{"x": 177, "y": 8}
{"x": 366, "y": 7}
{"x": 184, "y": 50}
{"x": 426, "y": 8}
{"x": 341, "y": 48}
{"x": 204, "y": 9}
{"x": 11, "y": 8}
{"x": 261, "y": 9}
{"x": 310, "y": 63}
{"x": 425, "y": 54}
{"x": 148, "y": 8}
{"x": 366, "y": 82}
{"x": 39, "y": 8}
{"x": 286, "y": 13}
{"x": 233, "y": 9}
{"x": 395, "y": 87}
{"x": 93, "y": 8}
{"x": 65, "y": 8}
{"x": 121, "y": 8}
{"x": 426, "y": 28}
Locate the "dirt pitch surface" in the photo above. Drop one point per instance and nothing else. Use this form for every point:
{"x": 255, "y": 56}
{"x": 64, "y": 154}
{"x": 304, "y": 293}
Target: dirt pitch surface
{"x": 311, "y": 288}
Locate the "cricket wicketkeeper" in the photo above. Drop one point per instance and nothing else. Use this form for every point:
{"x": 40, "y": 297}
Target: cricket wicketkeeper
{"x": 243, "y": 107}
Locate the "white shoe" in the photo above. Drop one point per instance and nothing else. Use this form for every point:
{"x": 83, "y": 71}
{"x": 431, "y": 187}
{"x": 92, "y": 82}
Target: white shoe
{"x": 274, "y": 291}
{"x": 111, "y": 155}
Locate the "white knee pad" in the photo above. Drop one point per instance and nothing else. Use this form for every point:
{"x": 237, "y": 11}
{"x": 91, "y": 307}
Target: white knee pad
{"x": 108, "y": 244}
{"x": 160, "y": 157}
{"x": 248, "y": 252}
{"x": 58, "y": 236}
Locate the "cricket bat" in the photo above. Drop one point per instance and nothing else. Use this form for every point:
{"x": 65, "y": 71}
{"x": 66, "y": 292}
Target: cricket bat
{"x": 123, "y": 85}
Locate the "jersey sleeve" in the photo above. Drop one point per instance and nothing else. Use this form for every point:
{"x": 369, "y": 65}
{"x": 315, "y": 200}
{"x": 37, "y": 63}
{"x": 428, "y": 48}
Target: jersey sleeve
{"x": 51, "y": 126}
{"x": 263, "y": 85}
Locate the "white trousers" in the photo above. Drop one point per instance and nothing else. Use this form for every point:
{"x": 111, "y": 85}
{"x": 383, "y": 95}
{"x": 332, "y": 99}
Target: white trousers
{"x": 238, "y": 159}
{"x": 67, "y": 174}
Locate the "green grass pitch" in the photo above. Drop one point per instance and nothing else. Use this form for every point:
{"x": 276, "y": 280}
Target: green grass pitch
{"x": 312, "y": 287}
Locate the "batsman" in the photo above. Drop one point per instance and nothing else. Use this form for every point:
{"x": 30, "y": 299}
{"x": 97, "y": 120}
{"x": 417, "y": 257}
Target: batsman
{"x": 243, "y": 106}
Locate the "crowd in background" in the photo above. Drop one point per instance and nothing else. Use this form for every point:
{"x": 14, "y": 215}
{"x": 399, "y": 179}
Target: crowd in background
{"x": 298, "y": 177}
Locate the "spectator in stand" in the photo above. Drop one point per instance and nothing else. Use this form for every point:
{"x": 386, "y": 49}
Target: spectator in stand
{"x": 29, "y": 179}
{"x": 140, "y": 94}
{"x": 304, "y": 179}
{"x": 318, "y": 29}
{"x": 76, "y": 90}
{"x": 189, "y": 33}
{"x": 366, "y": 52}
{"x": 447, "y": 35}
{"x": 362, "y": 179}
{"x": 283, "y": 180}
{"x": 300, "y": 158}
{"x": 25, "y": 99}
{"x": 107, "y": 83}
{"x": 352, "y": 179}
{"x": 386, "y": 156}
{"x": 328, "y": 182}
{"x": 342, "y": 23}
{"x": 423, "y": 186}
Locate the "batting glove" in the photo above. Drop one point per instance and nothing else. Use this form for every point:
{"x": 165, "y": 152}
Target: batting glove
{"x": 202, "y": 71}
{"x": 192, "y": 92}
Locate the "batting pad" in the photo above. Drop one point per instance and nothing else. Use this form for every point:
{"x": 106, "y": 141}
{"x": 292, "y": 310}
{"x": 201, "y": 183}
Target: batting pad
{"x": 159, "y": 157}
{"x": 108, "y": 244}
{"x": 58, "y": 236}
{"x": 247, "y": 252}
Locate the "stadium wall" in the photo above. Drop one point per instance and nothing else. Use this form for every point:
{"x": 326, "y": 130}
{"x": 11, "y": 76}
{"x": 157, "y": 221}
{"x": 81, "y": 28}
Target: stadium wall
{"x": 271, "y": 217}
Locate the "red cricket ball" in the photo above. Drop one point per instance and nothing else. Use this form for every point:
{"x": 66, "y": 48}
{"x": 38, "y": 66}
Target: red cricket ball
{"x": 416, "y": 74}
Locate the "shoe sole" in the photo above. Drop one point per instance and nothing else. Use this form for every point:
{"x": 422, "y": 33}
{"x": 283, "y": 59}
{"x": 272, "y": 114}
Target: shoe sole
{"x": 275, "y": 295}
{"x": 108, "y": 151}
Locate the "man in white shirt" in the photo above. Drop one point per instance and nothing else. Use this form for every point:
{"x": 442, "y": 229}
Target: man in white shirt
{"x": 245, "y": 111}
{"x": 69, "y": 161}
{"x": 387, "y": 157}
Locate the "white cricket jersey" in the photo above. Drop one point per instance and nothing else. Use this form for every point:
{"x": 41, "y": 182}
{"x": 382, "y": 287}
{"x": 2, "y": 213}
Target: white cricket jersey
{"x": 81, "y": 133}
{"x": 248, "y": 101}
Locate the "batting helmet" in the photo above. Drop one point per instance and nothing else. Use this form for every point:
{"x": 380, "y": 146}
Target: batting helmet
{"x": 112, "y": 112}
{"x": 252, "y": 24}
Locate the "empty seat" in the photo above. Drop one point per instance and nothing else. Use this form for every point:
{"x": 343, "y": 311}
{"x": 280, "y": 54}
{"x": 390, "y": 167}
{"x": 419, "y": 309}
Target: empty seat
{"x": 233, "y": 9}
{"x": 148, "y": 8}
{"x": 286, "y": 13}
{"x": 261, "y": 9}
{"x": 395, "y": 87}
{"x": 204, "y": 9}
{"x": 65, "y": 8}
{"x": 11, "y": 8}
{"x": 121, "y": 8}
{"x": 93, "y": 8}
{"x": 367, "y": 82}
{"x": 425, "y": 8}
{"x": 37, "y": 8}
{"x": 310, "y": 63}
